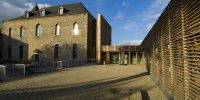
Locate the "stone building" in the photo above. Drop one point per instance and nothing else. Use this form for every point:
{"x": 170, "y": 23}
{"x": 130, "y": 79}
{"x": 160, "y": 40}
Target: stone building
{"x": 53, "y": 33}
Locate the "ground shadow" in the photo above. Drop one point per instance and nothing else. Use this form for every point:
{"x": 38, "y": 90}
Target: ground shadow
{"x": 59, "y": 91}
{"x": 145, "y": 95}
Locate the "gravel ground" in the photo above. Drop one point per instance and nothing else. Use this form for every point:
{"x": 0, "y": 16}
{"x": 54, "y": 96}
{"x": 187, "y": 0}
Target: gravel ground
{"x": 97, "y": 82}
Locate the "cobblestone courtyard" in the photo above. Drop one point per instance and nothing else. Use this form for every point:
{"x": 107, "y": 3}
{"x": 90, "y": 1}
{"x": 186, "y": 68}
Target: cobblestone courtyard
{"x": 110, "y": 82}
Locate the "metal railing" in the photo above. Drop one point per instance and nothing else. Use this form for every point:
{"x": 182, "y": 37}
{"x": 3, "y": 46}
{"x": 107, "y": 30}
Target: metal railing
{"x": 11, "y": 70}
{"x": 20, "y": 70}
{"x": 77, "y": 62}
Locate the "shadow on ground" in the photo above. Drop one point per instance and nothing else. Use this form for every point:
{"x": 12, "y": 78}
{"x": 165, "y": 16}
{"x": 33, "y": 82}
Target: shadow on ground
{"x": 85, "y": 91}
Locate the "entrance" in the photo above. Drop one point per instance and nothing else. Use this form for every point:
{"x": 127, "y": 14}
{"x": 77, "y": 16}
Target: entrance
{"x": 114, "y": 58}
{"x": 134, "y": 59}
{"x": 125, "y": 58}
{"x": 139, "y": 57}
{"x": 37, "y": 57}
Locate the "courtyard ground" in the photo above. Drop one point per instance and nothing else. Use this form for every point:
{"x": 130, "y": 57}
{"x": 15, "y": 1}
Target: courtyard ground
{"x": 95, "y": 82}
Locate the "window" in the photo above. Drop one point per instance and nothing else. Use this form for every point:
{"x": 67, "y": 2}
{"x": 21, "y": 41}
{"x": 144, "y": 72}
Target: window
{"x": 42, "y": 12}
{"x": 9, "y": 52}
{"x": 9, "y": 32}
{"x": 38, "y": 30}
{"x": 21, "y": 51}
{"x": 60, "y": 10}
{"x": 74, "y": 51}
{"x": 21, "y": 31}
{"x": 57, "y": 29}
{"x": 1, "y": 55}
{"x": 56, "y": 47}
{"x": 26, "y": 14}
{"x": 75, "y": 29}
{"x": 1, "y": 36}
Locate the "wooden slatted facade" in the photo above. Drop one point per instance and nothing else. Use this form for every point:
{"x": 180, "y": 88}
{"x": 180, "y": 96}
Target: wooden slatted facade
{"x": 172, "y": 49}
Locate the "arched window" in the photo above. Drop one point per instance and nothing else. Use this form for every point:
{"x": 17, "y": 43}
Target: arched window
{"x": 75, "y": 29}
{"x": 56, "y": 47}
{"x": 57, "y": 29}
{"x": 9, "y": 33}
{"x": 21, "y": 31}
{"x": 38, "y": 30}
{"x": 9, "y": 51}
{"x": 21, "y": 51}
{"x": 74, "y": 51}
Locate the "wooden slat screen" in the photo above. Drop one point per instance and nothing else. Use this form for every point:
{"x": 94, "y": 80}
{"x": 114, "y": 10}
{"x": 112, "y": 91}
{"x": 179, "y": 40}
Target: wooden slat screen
{"x": 172, "y": 49}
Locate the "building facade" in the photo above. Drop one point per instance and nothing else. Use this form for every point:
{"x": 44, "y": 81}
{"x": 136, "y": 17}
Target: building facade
{"x": 52, "y": 33}
{"x": 121, "y": 54}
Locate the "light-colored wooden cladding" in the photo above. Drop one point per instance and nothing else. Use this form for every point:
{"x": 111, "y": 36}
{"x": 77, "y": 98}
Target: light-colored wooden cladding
{"x": 172, "y": 49}
{"x": 192, "y": 46}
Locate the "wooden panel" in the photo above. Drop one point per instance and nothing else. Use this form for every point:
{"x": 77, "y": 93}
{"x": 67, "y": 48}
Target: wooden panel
{"x": 177, "y": 49}
{"x": 172, "y": 49}
{"x": 192, "y": 41}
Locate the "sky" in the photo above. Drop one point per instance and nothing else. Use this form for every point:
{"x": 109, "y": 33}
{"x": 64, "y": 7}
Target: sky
{"x": 131, "y": 20}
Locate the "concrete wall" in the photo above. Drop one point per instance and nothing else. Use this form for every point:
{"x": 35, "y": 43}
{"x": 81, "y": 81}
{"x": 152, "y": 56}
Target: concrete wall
{"x": 47, "y": 40}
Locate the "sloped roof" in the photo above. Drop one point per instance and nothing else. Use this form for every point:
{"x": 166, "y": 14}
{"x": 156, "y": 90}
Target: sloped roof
{"x": 74, "y": 8}
{"x": 35, "y": 8}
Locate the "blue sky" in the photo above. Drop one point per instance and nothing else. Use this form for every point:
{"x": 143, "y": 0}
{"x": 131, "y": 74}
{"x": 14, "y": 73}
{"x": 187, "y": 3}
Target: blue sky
{"x": 131, "y": 20}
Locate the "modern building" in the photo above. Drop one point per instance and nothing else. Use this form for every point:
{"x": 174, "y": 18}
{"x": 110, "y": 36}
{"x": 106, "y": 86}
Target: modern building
{"x": 172, "y": 49}
{"x": 121, "y": 54}
{"x": 53, "y": 33}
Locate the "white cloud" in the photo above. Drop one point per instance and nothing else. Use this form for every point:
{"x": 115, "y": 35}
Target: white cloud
{"x": 14, "y": 8}
{"x": 119, "y": 15}
{"x": 146, "y": 19}
{"x": 124, "y": 4}
{"x": 134, "y": 42}
{"x": 155, "y": 9}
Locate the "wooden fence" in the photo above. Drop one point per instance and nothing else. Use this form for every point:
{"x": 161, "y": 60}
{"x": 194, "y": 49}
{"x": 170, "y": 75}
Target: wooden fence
{"x": 172, "y": 49}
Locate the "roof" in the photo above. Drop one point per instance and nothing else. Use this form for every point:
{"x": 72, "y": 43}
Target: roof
{"x": 74, "y": 8}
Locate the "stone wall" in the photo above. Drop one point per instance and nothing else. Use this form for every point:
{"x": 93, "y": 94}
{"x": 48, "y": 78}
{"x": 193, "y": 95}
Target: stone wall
{"x": 46, "y": 42}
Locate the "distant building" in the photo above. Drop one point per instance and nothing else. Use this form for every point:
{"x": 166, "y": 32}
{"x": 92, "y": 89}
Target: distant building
{"x": 53, "y": 33}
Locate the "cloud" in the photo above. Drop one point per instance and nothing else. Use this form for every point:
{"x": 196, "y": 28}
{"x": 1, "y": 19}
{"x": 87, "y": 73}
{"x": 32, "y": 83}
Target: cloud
{"x": 124, "y": 4}
{"x": 100, "y": 6}
{"x": 14, "y": 8}
{"x": 135, "y": 42}
{"x": 143, "y": 22}
{"x": 134, "y": 27}
{"x": 155, "y": 9}
{"x": 119, "y": 15}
